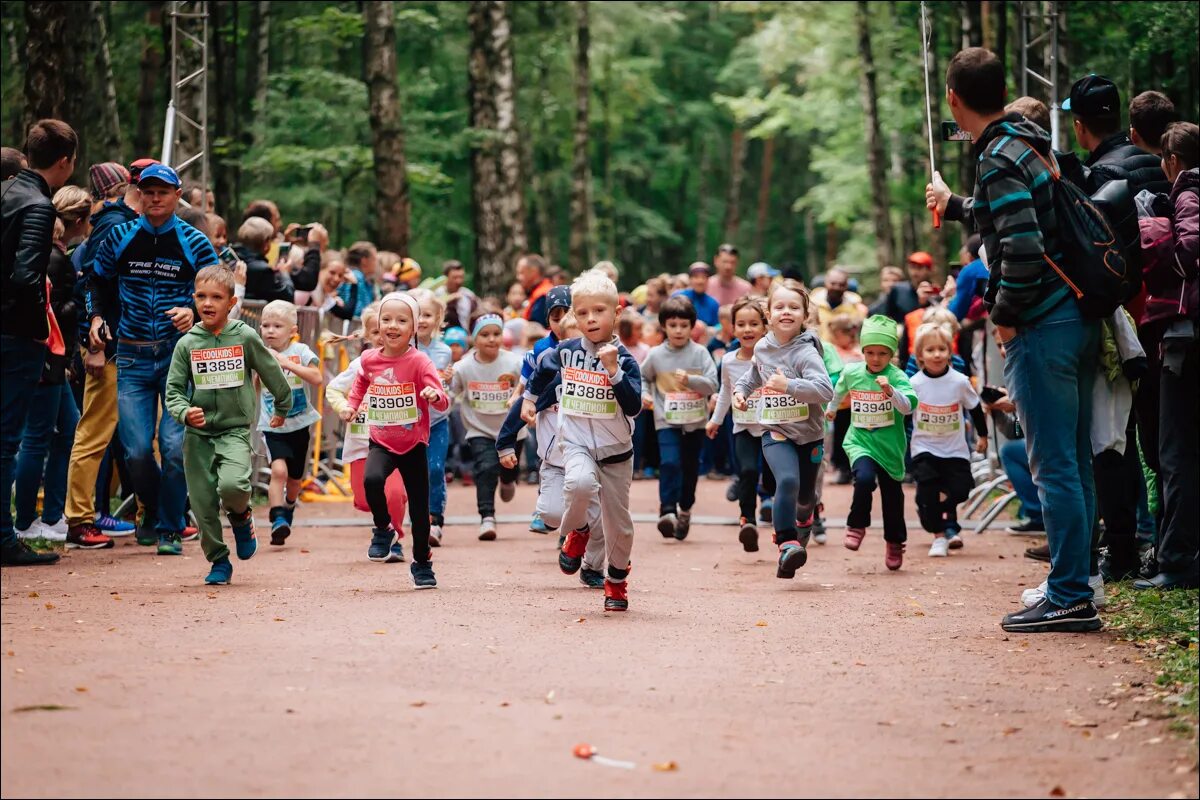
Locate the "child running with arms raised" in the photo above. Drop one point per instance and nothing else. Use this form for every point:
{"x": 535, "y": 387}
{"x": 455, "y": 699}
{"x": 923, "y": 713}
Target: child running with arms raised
{"x": 601, "y": 397}
{"x": 397, "y": 385}
{"x": 880, "y": 396}
{"x": 789, "y": 370}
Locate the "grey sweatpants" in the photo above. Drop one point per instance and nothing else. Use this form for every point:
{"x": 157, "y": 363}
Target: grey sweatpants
{"x": 586, "y": 481}
{"x": 550, "y": 504}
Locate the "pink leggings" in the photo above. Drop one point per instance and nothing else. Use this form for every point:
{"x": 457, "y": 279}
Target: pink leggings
{"x": 397, "y": 497}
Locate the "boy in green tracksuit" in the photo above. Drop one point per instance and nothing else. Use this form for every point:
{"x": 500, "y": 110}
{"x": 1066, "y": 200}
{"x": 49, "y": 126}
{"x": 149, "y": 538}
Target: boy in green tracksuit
{"x": 880, "y": 396}
{"x": 210, "y": 392}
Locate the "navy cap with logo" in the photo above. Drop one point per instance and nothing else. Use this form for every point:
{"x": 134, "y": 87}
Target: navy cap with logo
{"x": 161, "y": 173}
{"x": 1093, "y": 96}
{"x": 558, "y": 297}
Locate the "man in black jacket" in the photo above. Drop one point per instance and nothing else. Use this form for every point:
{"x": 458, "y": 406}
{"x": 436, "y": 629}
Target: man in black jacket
{"x": 263, "y": 282}
{"x": 27, "y": 224}
{"x": 1096, "y": 106}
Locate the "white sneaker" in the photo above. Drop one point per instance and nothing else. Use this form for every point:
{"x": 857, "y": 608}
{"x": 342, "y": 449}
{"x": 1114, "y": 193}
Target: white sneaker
{"x": 940, "y": 547}
{"x": 34, "y": 531}
{"x": 1031, "y": 597}
{"x": 435, "y": 535}
{"x": 820, "y": 538}
{"x": 40, "y": 530}
{"x": 487, "y": 530}
{"x": 955, "y": 542}
{"x": 56, "y": 532}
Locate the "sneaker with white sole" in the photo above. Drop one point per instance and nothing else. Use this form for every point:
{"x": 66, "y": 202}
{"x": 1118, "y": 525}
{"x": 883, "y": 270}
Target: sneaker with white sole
{"x": 1031, "y": 597}
{"x": 56, "y": 532}
{"x": 435, "y": 535}
{"x": 487, "y": 529}
{"x": 954, "y": 542}
{"x": 40, "y": 530}
{"x": 940, "y": 547}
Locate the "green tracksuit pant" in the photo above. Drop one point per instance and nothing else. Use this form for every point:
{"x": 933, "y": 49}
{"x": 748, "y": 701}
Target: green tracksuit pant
{"x": 218, "y": 473}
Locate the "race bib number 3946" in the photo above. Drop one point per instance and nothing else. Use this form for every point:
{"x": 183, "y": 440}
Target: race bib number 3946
{"x": 219, "y": 367}
{"x": 587, "y": 394}
{"x": 780, "y": 407}
{"x": 392, "y": 404}
{"x": 871, "y": 410}
{"x": 939, "y": 420}
{"x": 684, "y": 408}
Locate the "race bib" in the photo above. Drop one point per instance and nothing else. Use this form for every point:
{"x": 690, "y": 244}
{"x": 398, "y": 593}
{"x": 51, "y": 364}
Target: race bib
{"x": 392, "y": 404}
{"x": 871, "y": 410}
{"x": 294, "y": 380}
{"x": 777, "y": 408}
{"x": 219, "y": 367}
{"x": 358, "y": 426}
{"x": 939, "y": 420}
{"x": 488, "y": 397}
{"x": 683, "y": 408}
{"x": 587, "y": 394}
{"x": 750, "y": 415}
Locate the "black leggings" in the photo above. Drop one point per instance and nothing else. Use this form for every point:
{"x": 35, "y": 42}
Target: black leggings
{"x": 936, "y": 476}
{"x": 414, "y": 471}
{"x": 747, "y": 450}
{"x": 841, "y": 426}
{"x": 867, "y": 474}
{"x": 485, "y": 464}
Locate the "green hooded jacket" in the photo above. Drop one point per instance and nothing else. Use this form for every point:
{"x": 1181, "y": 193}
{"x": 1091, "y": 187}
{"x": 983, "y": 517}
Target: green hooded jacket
{"x": 222, "y": 360}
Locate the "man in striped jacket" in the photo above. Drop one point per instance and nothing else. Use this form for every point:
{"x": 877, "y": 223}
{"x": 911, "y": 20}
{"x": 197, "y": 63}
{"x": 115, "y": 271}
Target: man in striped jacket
{"x": 1052, "y": 351}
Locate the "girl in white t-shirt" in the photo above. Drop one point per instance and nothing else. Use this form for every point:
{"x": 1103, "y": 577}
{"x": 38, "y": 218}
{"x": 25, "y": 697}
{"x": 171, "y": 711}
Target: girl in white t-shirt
{"x": 941, "y": 461}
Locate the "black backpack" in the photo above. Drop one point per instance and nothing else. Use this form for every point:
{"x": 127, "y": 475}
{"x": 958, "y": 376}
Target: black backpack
{"x": 1094, "y": 265}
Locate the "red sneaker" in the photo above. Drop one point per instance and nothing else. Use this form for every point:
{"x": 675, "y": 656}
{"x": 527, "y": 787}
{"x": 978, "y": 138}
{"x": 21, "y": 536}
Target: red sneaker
{"x": 190, "y": 534}
{"x": 570, "y": 558}
{"x": 616, "y": 597}
{"x": 894, "y": 557}
{"x": 87, "y": 537}
{"x": 854, "y": 537}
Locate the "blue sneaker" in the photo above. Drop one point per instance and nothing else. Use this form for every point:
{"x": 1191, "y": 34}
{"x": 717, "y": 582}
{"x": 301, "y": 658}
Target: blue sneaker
{"x": 243, "y": 535}
{"x": 281, "y": 529}
{"x": 112, "y": 526}
{"x": 169, "y": 544}
{"x": 792, "y": 556}
{"x": 536, "y": 525}
{"x": 221, "y": 572}
{"x": 381, "y": 544}
{"x": 422, "y": 575}
{"x": 395, "y": 553}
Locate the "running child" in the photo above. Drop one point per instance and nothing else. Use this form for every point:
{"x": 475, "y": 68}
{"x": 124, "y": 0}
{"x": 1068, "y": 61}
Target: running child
{"x": 356, "y": 441}
{"x": 941, "y": 462}
{"x": 880, "y": 398}
{"x": 210, "y": 393}
{"x": 678, "y": 377}
{"x": 789, "y": 370}
{"x": 485, "y": 380}
{"x": 601, "y": 396}
{"x": 749, "y": 325}
{"x": 397, "y": 385}
{"x": 289, "y": 443}
{"x": 429, "y": 326}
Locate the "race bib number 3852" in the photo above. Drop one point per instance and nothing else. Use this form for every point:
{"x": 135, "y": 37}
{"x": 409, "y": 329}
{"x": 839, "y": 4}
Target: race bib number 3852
{"x": 871, "y": 410}
{"x": 219, "y": 367}
{"x": 587, "y": 394}
{"x": 939, "y": 420}
{"x": 392, "y": 404}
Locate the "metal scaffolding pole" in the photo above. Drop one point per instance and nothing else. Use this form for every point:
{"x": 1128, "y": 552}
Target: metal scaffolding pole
{"x": 185, "y": 132}
{"x": 1045, "y": 45}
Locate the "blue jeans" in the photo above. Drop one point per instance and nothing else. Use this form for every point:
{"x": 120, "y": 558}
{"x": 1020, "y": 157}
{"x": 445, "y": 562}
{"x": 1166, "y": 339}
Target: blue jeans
{"x": 679, "y": 456}
{"x": 1050, "y": 370}
{"x": 21, "y": 362}
{"x": 795, "y": 468}
{"x": 1015, "y": 459}
{"x": 49, "y": 431}
{"x": 439, "y": 442}
{"x": 141, "y": 388}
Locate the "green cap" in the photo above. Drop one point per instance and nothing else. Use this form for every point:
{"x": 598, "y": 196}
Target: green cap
{"x": 879, "y": 330}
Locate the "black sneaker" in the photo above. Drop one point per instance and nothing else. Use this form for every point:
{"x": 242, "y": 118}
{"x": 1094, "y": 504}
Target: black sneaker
{"x": 748, "y": 536}
{"x": 591, "y": 578}
{"x": 767, "y": 512}
{"x": 381, "y": 544}
{"x": 683, "y": 525}
{"x": 19, "y": 554}
{"x": 1046, "y": 617}
{"x": 792, "y": 556}
{"x": 666, "y": 525}
{"x": 731, "y": 493}
{"x": 1028, "y": 526}
{"x": 422, "y": 574}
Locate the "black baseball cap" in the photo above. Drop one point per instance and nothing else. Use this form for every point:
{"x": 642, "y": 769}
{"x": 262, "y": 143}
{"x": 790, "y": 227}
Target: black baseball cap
{"x": 1093, "y": 96}
{"x": 558, "y": 297}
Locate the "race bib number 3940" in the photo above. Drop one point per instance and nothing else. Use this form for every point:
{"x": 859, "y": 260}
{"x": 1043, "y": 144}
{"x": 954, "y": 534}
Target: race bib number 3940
{"x": 392, "y": 404}
{"x": 871, "y": 410}
{"x": 587, "y": 394}
{"x": 219, "y": 367}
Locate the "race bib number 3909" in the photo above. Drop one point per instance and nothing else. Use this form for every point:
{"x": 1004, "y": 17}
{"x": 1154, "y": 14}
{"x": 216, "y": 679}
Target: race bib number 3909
{"x": 392, "y": 404}
{"x": 871, "y": 410}
{"x": 219, "y": 367}
{"x": 939, "y": 420}
{"x": 777, "y": 408}
{"x": 587, "y": 394}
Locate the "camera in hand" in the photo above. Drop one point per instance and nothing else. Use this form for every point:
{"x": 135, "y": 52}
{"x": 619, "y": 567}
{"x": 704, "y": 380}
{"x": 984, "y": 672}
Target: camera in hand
{"x": 228, "y": 257}
{"x": 952, "y": 133}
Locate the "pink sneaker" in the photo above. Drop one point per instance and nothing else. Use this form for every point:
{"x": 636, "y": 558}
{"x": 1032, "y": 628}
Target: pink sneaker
{"x": 854, "y": 537}
{"x": 894, "y": 556}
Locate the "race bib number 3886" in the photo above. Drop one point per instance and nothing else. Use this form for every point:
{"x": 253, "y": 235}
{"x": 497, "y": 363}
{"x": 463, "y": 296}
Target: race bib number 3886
{"x": 587, "y": 394}
{"x": 219, "y": 367}
{"x": 871, "y": 410}
{"x": 392, "y": 404}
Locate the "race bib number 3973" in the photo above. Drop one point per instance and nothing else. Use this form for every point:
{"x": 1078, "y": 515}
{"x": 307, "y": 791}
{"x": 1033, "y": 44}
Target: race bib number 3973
{"x": 939, "y": 420}
{"x": 219, "y": 367}
{"x": 871, "y": 410}
{"x": 392, "y": 404}
{"x": 587, "y": 394}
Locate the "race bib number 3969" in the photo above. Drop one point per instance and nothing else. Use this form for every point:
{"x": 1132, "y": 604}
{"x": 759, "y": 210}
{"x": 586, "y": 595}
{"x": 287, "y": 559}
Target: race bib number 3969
{"x": 587, "y": 394}
{"x": 392, "y": 404}
{"x": 871, "y": 410}
{"x": 219, "y": 367}
{"x": 488, "y": 397}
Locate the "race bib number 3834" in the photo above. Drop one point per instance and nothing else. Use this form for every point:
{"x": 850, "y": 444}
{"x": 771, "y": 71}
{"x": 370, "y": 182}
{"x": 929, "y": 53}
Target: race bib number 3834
{"x": 392, "y": 404}
{"x": 587, "y": 394}
{"x": 219, "y": 367}
{"x": 780, "y": 407}
{"x": 871, "y": 410}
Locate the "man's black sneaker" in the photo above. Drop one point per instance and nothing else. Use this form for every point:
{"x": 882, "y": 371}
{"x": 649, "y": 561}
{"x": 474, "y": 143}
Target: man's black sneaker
{"x": 1046, "y": 617}
{"x": 19, "y": 554}
{"x": 381, "y": 544}
{"x": 1041, "y": 553}
{"x": 591, "y": 578}
{"x": 683, "y": 525}
{"x": 1028, "y": 526}
{"x": 731, "y": 493}
{"x": 1113, "y": 570}
{"x": 1167, "y": 581}
{"x": 792, "y": 556}
{"x": 422, "y": 574}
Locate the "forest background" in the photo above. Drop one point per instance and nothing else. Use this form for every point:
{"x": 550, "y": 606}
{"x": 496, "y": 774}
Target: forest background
{"x": 641, "y": 132}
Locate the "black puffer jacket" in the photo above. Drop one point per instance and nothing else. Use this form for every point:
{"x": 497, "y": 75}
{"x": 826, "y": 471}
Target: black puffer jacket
{"x": 62, "y": 301}
{"x": 262, "y": 282}
{"x": 27, "y": 232}
{"x": 1118, "y": 158}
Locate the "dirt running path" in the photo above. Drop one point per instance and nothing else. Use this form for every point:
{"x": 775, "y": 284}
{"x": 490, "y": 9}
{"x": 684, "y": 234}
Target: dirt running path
{"x": 320, "y": 673}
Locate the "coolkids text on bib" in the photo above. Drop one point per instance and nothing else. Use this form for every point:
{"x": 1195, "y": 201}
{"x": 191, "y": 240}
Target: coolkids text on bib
{"x": 587, "y": 394}
{"x": 870, "y": 410}
{"x": 219, "y": 367}
{"x": 392, "y": 404}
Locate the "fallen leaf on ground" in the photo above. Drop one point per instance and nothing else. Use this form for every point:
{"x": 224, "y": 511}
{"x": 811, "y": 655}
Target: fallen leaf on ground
{"x": 1075, "y": 722}
{"x": 1010, "y": 731}
{"x": 303, "y": 551}
{"x": 1058, "y": 791}
{"x": 43, "y": 707}
{"x": 280, "y": 619}
{"x": 81, "y": 688}
{"x": 34, "y": 594}
{"x": 417, "y": 703}
{"x": 504, "y": 704}
{"x": 665, "y": 766}
{"x": 49, "y": 606}
{"x": 762, "y": 623}
{"x": 380, "y": 633}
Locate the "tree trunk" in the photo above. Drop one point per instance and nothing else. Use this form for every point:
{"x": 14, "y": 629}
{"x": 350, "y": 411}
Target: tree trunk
{"x": 881, "y": 206}
{"x": 547, "y": 219}
{"x": 110, "y": 128}
{"x": 387, "y": 132}
{"x": 1000, "y": 31}
{"x": 610, "y": 204}
{"x": 45, "y": 76}
{"x": 702, "y": 202}
{"x": 496, "y": 196}
{"x": 831, "y": 245}
{"x": 764, "y": 197}
{"x": 257, "y": 59}
{"x": 150, "y": 76}
{"x": 737, "y": 156}
{"x": 580, "y": 252}
{"x": 220, "y": 162}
